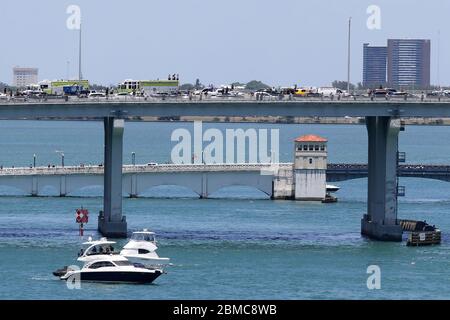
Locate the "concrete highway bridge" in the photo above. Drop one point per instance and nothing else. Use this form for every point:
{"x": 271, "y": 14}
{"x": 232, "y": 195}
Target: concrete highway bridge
{"x": 382, "y": 121}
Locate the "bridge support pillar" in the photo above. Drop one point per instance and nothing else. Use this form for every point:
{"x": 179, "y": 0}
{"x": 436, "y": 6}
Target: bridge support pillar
{"x": 380, "y": 222}
{"x": 133, "y": 187}
{"x": 204, "y": 194}
{"x": 34, "y": 186}
{"x": 111, "y": 223}
{"x": 62, "y": 186}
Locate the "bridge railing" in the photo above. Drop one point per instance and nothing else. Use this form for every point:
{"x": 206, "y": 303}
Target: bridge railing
{"x": 342, "y": 169}
{"x": 209, "y": 99}
{"x": 90, "y": 169}
{"x": 356, "y": 168}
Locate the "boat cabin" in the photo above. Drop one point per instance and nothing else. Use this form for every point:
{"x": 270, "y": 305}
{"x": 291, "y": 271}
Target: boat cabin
{"x": 108, "y": 264}
{"x": 102, "y": 246}
{"x": 147, "y": 236}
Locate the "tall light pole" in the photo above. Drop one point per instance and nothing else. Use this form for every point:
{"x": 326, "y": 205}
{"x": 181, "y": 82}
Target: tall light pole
{"x": 133, "y": 158}
{"x": 348, "y": 61}
{"x": 34, "y": 160}
{"x": 439, "y": 60}
{"x": 80, "y": 75}
{"x": 62, "y": 157}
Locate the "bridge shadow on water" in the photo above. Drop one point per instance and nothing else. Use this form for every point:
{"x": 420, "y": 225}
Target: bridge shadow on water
{"x": 233, "y": 192}
{"x": 158, "y": 192}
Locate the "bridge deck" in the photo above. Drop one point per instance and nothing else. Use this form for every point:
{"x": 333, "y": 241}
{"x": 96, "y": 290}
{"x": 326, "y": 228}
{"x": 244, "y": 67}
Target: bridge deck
{"x": 339, "y": 172}
{"x": 357, "y": 170}
{"x": 92, "y": 109}
{"x": 161, "y": 168}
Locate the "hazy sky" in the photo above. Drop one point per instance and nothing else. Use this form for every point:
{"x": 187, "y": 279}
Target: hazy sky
{"x": 280, "y": 42}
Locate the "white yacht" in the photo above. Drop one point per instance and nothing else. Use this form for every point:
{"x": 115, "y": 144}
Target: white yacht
{"x": 136, "y": 263}
{"x": 332, "y": 188}
{"x": 142, "y": 249}
{"x": 114, "y": 269}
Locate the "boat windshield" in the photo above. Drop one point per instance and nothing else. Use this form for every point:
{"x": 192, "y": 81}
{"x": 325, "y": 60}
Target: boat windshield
{"x": 123, "y": 263}
{"x": 143, "y": 237}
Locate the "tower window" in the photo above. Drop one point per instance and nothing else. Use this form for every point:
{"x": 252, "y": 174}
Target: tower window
{"x": 311, "y": 148}
{"x": 322, "y": 148}
{"x": 305, "y": 147}
{"x": 310, "y": 161}
{"x": 316, "y": 147}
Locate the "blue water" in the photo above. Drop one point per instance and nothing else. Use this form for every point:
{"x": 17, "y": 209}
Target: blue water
{"x": 238, "y": 245}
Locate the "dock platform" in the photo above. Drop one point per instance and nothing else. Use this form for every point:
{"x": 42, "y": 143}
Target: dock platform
{"x": 421, "y": 233}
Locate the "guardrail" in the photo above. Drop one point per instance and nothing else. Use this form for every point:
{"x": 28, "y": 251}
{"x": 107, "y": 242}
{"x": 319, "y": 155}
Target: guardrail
{"x": 405, "y": 168}
{"x": 69, "y": 170}
{"x": 331, "y": 169}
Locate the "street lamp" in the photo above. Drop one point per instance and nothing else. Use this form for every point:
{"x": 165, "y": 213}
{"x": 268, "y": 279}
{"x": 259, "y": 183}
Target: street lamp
{"x": 133, "y": 158}
{"x": 62, "y": 157}
{"x": 34, "y": 160}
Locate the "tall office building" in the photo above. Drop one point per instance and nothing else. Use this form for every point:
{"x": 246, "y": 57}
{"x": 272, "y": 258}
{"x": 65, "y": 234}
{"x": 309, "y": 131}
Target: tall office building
{"x": 23, "y": 77}
{"x": 409, "y": 63}
{"x": 374, "y": 68}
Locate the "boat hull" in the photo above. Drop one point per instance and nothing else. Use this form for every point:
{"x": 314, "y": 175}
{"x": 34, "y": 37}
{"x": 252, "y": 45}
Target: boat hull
{"x": 117, "y": 276}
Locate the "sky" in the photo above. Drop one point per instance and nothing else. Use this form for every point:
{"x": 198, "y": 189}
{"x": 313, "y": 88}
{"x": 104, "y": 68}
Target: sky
{"x": 282, "y": 42}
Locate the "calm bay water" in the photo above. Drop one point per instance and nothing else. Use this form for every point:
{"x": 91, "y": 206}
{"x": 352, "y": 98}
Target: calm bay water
{"x": 246, "y": 247}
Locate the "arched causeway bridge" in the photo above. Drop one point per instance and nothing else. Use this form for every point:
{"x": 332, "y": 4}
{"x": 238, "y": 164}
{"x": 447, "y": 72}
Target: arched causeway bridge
{"x": 275, "y": 180}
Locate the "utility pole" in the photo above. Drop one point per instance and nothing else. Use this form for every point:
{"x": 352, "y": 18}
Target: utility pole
{"x": 439, "y": 60}
{"x": 348, "y": 62}
{"x": 80, "y": 76}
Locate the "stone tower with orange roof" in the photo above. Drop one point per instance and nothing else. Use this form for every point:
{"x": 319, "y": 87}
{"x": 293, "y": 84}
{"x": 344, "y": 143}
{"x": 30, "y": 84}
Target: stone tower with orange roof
{"x": 310, "y": 166}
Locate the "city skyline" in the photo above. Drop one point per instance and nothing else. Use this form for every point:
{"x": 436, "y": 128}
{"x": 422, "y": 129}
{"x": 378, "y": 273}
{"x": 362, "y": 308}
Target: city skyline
{"x": 217, "y": 44}
{"x": 375, "y": 65}
{"x": 401, "y": 63}
{"x": 409, "y": 62}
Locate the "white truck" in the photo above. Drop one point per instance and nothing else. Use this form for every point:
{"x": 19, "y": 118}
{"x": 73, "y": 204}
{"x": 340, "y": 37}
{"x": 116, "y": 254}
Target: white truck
{"x": 328, "y": 91}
